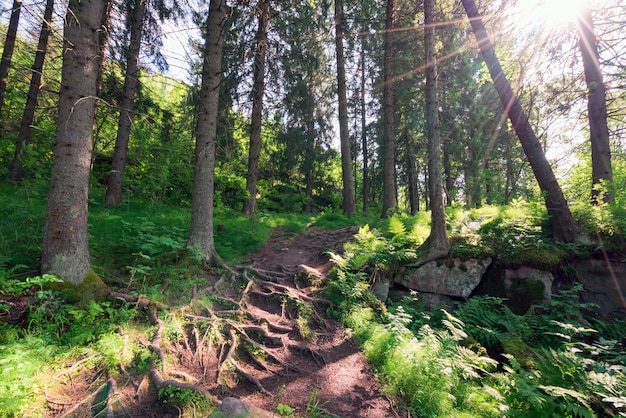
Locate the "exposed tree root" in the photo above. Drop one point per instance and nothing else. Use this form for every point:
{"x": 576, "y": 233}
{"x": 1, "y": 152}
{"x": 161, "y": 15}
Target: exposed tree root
{"x": 223, "y": 337}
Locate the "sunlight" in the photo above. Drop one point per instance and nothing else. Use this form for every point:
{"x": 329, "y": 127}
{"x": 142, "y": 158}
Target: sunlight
{"x": 556, "y": 13}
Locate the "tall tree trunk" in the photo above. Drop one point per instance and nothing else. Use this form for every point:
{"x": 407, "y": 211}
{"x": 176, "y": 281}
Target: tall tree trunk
{"x": 258, "y": 89}
{"x": 389, "y": 148}
{"x": 17, "y": 169}
{"x": 349, "y": 202}
{"x": 65, "y": 246}
{"x": 438, "y": 244}
{"x": 508, "y": 155}
{"x": 103, "y": 41}
{"x": 447, "y": 171}
{"x": 201, "y": 229}
{"x": 7, "y": 53}
{"x": 564, "y": 227}
{"x": 601, "y": 169}
{"x": 414, "y": 199}
{"x": 113, "y": 196}
{"x": 366, "y": 181}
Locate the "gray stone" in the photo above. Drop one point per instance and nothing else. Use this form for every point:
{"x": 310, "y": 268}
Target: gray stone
{"x": 530, "y": 283}
{"x": 234, "y": 408}
{"x": 452, "y": 277}
{"x": 380, "y": 290}
{"x": 308, "y": 275}
{"x": 604, "y": 284}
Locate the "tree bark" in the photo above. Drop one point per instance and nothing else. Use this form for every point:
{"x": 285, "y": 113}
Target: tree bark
{"x": 258, "y": 90}
{"x": 411, "y": 173}
{"x": 201, "y": 228}
{"x": 113, "y": 195}
{"x": 366, "y": 181}
{"x": 7, "y": 52}
{"x": 389, "y": 150}
{"x": 349, "y": 202}
{"x": 601, "y": 169}
{"x": 564, "y": 227}
{"x": 17, "y": 168}
{"x": 438, "y": 244}
{"x": 65, "y": 246}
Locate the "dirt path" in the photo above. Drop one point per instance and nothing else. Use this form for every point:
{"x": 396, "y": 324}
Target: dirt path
{"x": 265, "y": 338}
{"x": 338, "y": 373}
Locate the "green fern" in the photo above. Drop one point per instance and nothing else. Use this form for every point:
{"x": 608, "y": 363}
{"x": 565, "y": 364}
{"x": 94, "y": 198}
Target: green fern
{"x": 396, "y": 227}
{"x": 490, "y": 322}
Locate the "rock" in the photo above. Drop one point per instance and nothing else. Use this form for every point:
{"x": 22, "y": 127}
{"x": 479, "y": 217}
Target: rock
{"x": 234, "y": 408}
{"x": 308, "y": 275}
{"x": 452, "y": 277}
{"x": 528, "y": 283}
{"x": 380, "y": 290}
{"x": 604, "y": 284}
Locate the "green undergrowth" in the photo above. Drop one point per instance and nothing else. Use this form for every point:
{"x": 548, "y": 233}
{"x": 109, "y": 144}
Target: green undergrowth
{"x": 479, "y": 358}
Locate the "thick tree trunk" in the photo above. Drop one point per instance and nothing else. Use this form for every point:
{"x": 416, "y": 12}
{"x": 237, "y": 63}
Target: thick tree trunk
{"x": 438, "y": 244}
{"x": 389, "y": 150}
{"x": 349, "y": 202}
{"x": 366, "y": 181}
{"x": 201, "y": 229}
{"x": 7, "y": 52}
{"x": 564, "y": 227}
{"x": 258, "y": 90}
{"x": 17, "y": 169}
{"x": 601, "y": 169}
{"x": 65, "y": 246}
{"x": 113, "y": 196}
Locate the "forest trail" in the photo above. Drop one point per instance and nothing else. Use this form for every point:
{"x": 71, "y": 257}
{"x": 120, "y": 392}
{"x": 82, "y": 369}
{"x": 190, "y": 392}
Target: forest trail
{"x": 329, "y": 366}
{"x": 265, "y": 339}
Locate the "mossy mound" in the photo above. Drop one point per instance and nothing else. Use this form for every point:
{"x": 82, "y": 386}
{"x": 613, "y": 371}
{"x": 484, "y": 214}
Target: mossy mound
{"x": 91, "y": 288}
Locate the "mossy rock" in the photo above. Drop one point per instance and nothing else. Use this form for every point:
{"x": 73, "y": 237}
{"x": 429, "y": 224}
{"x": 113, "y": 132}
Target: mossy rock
{"x": 91, "y": 288}
{"x": 544, "y": 258}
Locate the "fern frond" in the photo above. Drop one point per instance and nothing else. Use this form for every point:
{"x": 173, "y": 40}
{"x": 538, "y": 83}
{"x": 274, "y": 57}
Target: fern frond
{"x": 337, "y": 259}
{"x": 396, "y": 227}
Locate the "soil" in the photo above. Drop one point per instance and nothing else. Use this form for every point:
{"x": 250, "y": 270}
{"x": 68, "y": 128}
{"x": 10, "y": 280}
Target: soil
{"x": 342, "y": 380}
{"x": 263, "y": 354}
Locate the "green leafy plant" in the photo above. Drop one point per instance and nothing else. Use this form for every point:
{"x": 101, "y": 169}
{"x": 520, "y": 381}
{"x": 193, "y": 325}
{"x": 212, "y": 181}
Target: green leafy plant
{"x": 284, "y": 410}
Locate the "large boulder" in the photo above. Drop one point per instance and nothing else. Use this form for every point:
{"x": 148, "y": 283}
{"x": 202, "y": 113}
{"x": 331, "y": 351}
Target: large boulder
{"x": 528, "y": 283}
{"x": 452, "y": 277}
{"x": 604, "y": 283}
{"x": 521, "y": 287}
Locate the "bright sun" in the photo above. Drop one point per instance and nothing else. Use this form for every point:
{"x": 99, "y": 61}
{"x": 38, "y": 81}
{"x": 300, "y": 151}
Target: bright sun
{"x": 555, "y": 13}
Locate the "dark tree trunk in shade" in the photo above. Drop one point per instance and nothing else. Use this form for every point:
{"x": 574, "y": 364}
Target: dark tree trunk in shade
{"x": 201, "y": 228}
{"x": 389, "y": 147}
{"x": 414, "y": 199}
{"x": 113, "y": 196}
{"x": 564, "y": 227}
{"x": 65, "y": 246}
{"x": 366, "y": 182}
{"x": 256, "y": 120}
{"x": 601, "y": 169}
{"x": 7, "y": 52}
{"x": 438, "y": 244}
{"x": 17, "y": 169}
{"x": 349, "y": 201}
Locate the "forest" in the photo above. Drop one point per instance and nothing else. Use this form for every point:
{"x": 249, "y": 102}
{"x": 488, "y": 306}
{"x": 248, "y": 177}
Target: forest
{"x": 381, "y": 208}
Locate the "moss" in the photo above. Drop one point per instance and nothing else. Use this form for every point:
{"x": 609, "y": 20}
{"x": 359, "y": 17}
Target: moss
{"x": 520, "y": 350}
{"x": 539, "y": 257}
{"x": 91, "y": 288}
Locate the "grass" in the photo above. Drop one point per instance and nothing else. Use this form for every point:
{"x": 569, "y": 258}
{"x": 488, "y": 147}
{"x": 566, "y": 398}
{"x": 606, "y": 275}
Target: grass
{"x": 434, "y": 364}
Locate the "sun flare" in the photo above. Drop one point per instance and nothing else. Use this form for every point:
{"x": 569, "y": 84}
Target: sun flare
{"x": 555, "y": 13}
